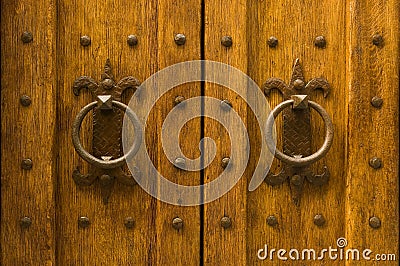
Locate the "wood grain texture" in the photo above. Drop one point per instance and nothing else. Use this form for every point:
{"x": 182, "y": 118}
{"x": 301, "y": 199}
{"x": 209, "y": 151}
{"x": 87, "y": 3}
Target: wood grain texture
{"x": 225, "y": 246}
{"x": 28, "y": 68}
{"x": 373, "y": 71}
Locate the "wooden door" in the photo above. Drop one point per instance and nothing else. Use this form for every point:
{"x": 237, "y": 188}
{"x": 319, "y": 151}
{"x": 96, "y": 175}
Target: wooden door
{"x": 48, "y": 219}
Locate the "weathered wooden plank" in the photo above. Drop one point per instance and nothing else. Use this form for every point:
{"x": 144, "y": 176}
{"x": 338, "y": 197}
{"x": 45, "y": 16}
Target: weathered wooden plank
{"x": 373, "y": 70}
{"x": 106, "y": 240}
{"x": 28, "y": 132}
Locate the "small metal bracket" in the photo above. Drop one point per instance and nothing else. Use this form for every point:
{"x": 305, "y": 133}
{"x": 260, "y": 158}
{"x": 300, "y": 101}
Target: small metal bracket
{"x": 106, "y": 161}
{"x": 297, "y": 131}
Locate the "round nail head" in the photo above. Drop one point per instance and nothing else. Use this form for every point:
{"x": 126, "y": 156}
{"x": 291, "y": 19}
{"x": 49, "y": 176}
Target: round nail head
{"x": 85, "y": 40}
{"x": 226, "y": 222}
{"x": 83, "y": 222}
{"x": 227, "y": 41}
{"x": 296, "y": 180}
{"x": 319, "y": 220}
{"x": 25, "y": 222}
{"x": 375, "y": 162}
{"x": 132, "y": 40}
{"x": 271, "y": 220}
{"x": 27, "y": 37}
{"x": 320, "y": 42}
{"x": 129, "y": 222}
{"x": 179, "y": 99}
{"x": 272, "y": 41}
{"x": 180, "y": 39}
{"x": 375, "y": 222}
{"x": 177, "y": 223}
{"x": 25, "y": 100}
{"x": 298, "y": 84}
{"x": 377, "y": 40}
{"x": 225, "y": 161}
{"x": 377, "y": 102}
{"x": 26, "y": 164}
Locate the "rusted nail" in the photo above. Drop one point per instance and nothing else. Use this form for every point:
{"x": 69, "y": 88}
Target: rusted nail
{"x": 85, "y": 40}
{"x": 83, "y": 222}
{"x": 25, "y": 222}
{"x": 319, "y": 220}
{"x": 26, "y": 164}
{"x": 375, "y": 222}
{"x": 271, "y": 220}
{"x": 129, "y": 222}
{"x": 226, "y": 105}
{"x": 296, "y": 180}
{"x": 27, "y": 37}
{"x": 226, "y": 41}
{"x": 180, "y": 162}
{"x": 226, "y": 222}
{"x": 377, "y": 40}
{"x": 179, "y": 99}
{"x": 225, "y": 161}
{"x": 25, "y": 100}
{"x": 272, "y": 41}
{"x": 180, "y": 39}
{"x": 377, "y": 102}
{"x": 375, "y": 162}
{"x": 298, "y": 84}
{"x": 320, "y": 42}
{"x": 177, "y": 223}
{"x": 132, "y": 40}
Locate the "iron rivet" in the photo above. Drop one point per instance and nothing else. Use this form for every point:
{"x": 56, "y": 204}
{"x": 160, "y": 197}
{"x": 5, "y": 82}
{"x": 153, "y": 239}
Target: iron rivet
{"x": 225, "y": 161}
{"x": 180, "y": 162}
{"x": 320, "y": 42}
{"x": 296, "y": 180}
{"x": 271, "y": 220}
{"x": 83, "y": 222}
{"x": 108, "y": 84}
{"x": 26, "y": 164}
{"x": 177, "y": 223}
{"x": 180, "y": 39}
{"x": 132, "y": 40}
{"x": 226, "y": 222}
{"x": 106, "y": 180}
{"x": 226, "y": 105}
{"x": 375, "y": 162}
{"x": 377, "y": 102}
{"x": 377, "y": 40}
{"x": 27, "y": 37}
{"x": 179, "y": 99}
{"x": 25, "y": 222}
{"x": 85, "y": 40}
{"x": 226, "y": 41}
{"x": 25, "y": 100}
{"x": 319, "y": 220}
{"x": 298, "y": 84}
{"x": 375, "y": 222}
{"x": 272, "y": 41}
{"x": 129, "y": 222}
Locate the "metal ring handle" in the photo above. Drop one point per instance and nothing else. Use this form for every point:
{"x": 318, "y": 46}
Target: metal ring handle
{"x": 309, "y": 159}
{"x": 76, "y": 128}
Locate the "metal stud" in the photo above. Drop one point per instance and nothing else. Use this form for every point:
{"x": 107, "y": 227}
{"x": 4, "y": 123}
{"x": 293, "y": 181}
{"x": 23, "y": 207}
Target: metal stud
{"x": 377, "y": 102}
{"x": 25, "y": 100}
{"x": 298, "y": 84}
{"x": 226, "y": 222}
{"x": 83, "y": 222}
{"x": 129, "y": 222}
{"x": 271, "y": 220}
{"x": 132, "y": 40}
{"x": 226, "y": 105}
{"x": 180, "y": 39}
{"x": 377, "y": 40}
{"x": 272, "y": 41}
{"x": 375, "y": 222}
{"x": 177, "y": 223}
{"x": 180, "y": 162}
{"x": 226, "y": 41}
{"x": 26, "y": 164}
{"x": 27, "y": 37}
{"x": 296, "y": 180}
{"x": 85, "y": 40}
{"x": 320, "y": 42}
{"x": 375, "y": 162}
{"x": 225, "y": 161}
{"x": 319, "y": 220}
{"x": 25, "y": 222}
{"x": 179, "y": 99}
